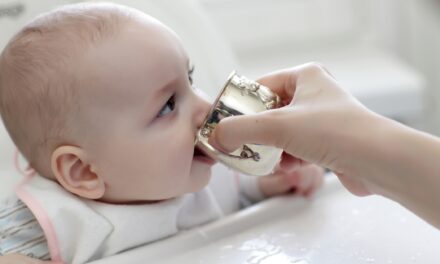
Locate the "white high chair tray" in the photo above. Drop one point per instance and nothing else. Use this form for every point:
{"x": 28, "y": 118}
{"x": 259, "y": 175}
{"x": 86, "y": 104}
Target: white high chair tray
{"x": 334, "y": 227}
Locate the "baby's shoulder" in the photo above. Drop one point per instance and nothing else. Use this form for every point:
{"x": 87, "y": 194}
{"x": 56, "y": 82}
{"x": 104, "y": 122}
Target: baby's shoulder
{"x": 20, "y": 231}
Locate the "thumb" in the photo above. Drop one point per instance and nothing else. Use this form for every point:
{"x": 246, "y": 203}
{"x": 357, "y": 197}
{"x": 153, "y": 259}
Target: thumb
{"x": 265, "y": 128}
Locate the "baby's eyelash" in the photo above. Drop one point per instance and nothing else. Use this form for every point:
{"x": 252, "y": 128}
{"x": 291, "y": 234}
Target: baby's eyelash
{"x": 190, "y": 74}
{"x": 168, "y": 107}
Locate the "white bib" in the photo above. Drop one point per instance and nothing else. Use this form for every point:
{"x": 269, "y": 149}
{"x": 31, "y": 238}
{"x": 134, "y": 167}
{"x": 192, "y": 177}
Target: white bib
{"x": 80, "y": 230}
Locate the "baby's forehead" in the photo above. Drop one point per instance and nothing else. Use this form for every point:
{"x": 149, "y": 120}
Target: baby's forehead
{"x": 141, "y": 45}
{"x": 156, "y": 37}
{"x": 144, "y": 57}
{"x": 150, "y": 39}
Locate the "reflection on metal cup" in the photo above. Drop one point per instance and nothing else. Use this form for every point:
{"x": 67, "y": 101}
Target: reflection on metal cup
{"x": 241, "y": 96}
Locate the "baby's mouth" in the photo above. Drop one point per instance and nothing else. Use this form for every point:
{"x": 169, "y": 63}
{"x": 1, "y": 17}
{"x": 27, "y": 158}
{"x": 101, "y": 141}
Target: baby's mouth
{"x": 201, "y": 156}
{"x": 198, "y": 152}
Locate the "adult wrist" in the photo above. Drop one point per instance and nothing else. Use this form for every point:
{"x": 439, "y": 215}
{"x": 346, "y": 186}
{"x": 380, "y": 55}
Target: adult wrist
{"x": 364, "y": 150}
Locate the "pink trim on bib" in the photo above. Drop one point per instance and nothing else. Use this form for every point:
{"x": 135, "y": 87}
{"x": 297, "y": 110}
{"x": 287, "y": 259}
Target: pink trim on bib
{"x": 42, "y": 218}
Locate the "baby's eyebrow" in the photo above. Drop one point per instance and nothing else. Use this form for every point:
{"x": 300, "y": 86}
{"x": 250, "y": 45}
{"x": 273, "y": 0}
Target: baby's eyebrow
{"x": 166, "y": 87}
{"x": 191, "y": 69}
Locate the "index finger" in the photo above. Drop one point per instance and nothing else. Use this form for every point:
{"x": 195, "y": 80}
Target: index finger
{"x": 283, "y": 82}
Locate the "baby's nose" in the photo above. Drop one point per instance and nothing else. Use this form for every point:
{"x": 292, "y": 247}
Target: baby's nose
{"x": 202, "y": 108}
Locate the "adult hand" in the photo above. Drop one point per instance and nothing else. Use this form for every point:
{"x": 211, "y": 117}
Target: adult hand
{"x": 309, "y": 127}
{"x": 321, "y": 123}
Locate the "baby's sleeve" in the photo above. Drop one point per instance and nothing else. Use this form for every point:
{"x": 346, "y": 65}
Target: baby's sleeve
{"x": 249, "y": 189}
{"x": 20, "y": 231}
{"x": 234, "y": 190}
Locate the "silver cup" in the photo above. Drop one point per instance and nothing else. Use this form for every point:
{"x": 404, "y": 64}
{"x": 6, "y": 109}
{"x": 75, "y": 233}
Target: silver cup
{"x": 241, "y": 96}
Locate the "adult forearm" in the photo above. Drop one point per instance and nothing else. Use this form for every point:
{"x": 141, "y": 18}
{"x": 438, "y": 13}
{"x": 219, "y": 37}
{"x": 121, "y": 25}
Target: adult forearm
{"x": 400, "y": 163}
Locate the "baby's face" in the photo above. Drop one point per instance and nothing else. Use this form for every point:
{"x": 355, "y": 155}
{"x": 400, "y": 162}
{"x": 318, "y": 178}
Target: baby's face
{"x": 141, "y": 116}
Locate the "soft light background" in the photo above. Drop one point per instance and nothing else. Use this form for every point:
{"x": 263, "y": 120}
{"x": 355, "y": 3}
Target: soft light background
{"x": 385, "y": 51}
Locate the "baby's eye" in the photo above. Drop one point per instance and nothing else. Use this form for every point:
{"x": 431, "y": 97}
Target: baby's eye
{"x": 167, "y": 108}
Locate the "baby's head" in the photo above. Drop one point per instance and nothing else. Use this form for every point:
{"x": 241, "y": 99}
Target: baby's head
{"x": 99, "y": 98}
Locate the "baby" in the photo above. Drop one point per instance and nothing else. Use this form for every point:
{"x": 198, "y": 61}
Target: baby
{"x": 99, "y": 100}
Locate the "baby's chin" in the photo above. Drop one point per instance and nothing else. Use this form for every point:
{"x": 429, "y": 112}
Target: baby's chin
{"x": 200, "y": 177}
{"x": 197, "y": 186}
{"x": 201, "y": 181}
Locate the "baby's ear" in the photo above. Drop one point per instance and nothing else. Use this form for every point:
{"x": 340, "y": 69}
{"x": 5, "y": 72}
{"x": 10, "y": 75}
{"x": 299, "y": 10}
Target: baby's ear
{"x": 74, "y": 172}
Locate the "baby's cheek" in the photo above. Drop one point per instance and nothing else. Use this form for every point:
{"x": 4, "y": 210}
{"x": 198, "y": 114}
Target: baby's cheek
{"x": 178, "y": 159}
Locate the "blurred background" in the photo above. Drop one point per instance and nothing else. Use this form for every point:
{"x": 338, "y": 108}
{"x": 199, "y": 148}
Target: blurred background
{"x": 386, "y": 52}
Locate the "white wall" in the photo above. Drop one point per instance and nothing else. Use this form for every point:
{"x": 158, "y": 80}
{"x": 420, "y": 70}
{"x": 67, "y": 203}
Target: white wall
{"x": 422, "y": 48}
{"x": 411, "y": 29}
{"x": 255, "y": 25}
{"x": 368, "y": 45}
